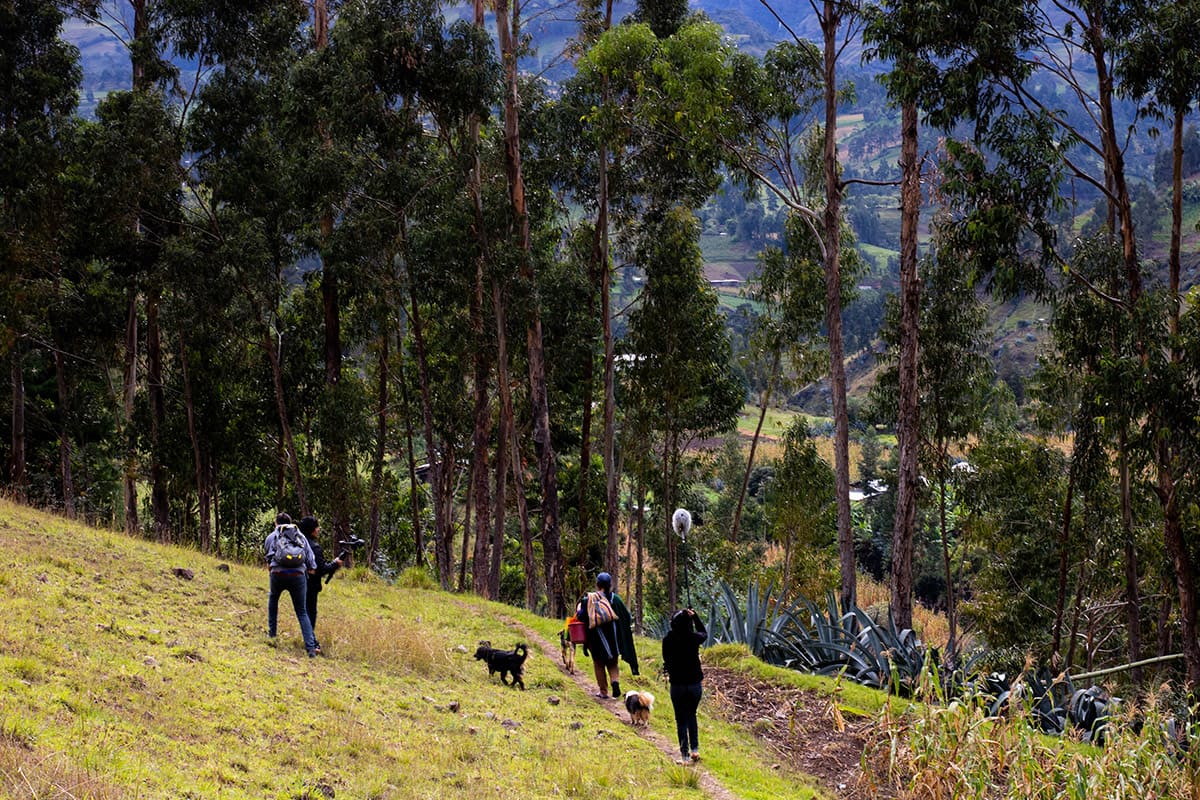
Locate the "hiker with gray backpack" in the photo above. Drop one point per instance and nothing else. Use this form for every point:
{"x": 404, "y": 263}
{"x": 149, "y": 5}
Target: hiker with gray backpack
{"x": 290, "y": 559}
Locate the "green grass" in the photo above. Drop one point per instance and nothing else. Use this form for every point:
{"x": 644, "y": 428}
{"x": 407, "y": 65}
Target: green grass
{"x": 777, "y": 421}
{"x": 733, "y": 301}
{"x": 877, "y": 255}
{"x": 717, "y": 248}
{"x": 118, "y": 679}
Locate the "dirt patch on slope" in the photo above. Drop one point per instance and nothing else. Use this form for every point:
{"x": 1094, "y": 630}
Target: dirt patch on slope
{"x": 803, "y": 729}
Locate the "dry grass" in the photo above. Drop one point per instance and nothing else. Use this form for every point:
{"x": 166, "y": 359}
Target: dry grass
{"x": 394, "y": 645}
{"x": 947, "y": 752}
{"x": 931, "y": 626}
{"x": 27, "y": 774}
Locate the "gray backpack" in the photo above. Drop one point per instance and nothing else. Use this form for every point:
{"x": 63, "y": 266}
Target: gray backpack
{"x": 288, "y": 552}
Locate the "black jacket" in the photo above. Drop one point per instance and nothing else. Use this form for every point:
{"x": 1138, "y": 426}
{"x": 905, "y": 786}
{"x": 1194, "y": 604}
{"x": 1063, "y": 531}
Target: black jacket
{"x": 323, "y": 567}
{"x": 681, "y": 649}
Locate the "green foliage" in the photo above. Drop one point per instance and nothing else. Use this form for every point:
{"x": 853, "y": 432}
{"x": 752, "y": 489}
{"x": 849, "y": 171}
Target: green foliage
{"x": 805, "y": 637}
{"x": 1014, "y": 494}
{"x": 680, "y": 377}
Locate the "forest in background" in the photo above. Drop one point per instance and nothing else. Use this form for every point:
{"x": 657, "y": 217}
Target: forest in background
{"x": 360, "y": 264}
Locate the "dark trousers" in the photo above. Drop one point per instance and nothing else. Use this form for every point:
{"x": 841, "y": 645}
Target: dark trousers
{"x": 685, "y": 698}
{"x": 295, "y": 584}
{"x": 311, "y": 596}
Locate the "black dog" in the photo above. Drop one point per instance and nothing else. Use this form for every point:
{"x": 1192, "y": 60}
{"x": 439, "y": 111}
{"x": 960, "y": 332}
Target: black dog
{"x": 505, "y": 662}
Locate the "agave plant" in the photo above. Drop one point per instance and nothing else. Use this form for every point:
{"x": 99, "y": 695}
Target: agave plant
{"x": 826, "y": 641}
{"x": 1043, "y": 695}
{"x": 1090, "y": 710}
{"x": 760, "y": 626}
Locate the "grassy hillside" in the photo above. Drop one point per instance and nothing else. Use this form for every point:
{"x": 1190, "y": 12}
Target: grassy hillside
{"x": 120, "y": 679}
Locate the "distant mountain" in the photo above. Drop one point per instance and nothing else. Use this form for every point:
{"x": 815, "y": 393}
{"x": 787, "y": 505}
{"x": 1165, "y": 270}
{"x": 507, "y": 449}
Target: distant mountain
{"x": 550, "y": 23}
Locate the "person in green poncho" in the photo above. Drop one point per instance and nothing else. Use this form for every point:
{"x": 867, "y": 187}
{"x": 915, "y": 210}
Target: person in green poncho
{"x": 609, "y": 635}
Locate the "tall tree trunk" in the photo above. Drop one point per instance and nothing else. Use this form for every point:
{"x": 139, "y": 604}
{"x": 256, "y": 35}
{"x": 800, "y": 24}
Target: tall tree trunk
{"x": 1173, "y": 260}
{"x": 1185, "y": 575}
{"x": 18, "y": 477}
{"x": 1181, "y": 560}
{"x": 764, "y": 402}
{"x": 130, "y": 389}
{"x": 64, "y": 433}
{"x": 951, "y": 599}
{"x": 381, "y": 430}
{"x": 141, "y": 83}
{"x": 543, "y": 443}
{"x": 528, "y": 556}
{"x": 334, "y": 445}
{"x": 437, "y": 473}
{"x": 585, "y": 446}
{"x": 908, "y": 429}
{"x": 414, "y": 487}
{"x": 1064, "y": 552}
{"x": 480, "y": 477}
{"x": 1133, "y": 603}
{"x": 503, "y": 436}
{"x": 285, "y": 425}
{"x": 159, "y": 505}
{"x": 482, "y": 433}
{"x": 638, "y": 599}
{"x": 203, "y": 492}
{"x": 1114, "y": 158}
{"x": 466, "y": 536}
{"x": 612, "y": 475}
{"x": 830, "y": 22}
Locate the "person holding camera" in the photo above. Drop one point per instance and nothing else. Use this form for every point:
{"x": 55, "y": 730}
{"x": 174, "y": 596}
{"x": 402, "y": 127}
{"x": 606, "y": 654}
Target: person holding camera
{"x": 681, "y": 662}
{"x": 310, "y": 528}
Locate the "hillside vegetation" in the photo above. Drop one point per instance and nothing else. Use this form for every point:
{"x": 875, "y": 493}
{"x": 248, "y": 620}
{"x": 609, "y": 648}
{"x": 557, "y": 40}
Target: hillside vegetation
{"x": 120, "y": 679}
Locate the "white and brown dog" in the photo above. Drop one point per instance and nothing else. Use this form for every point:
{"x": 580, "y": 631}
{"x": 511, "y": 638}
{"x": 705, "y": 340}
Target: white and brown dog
{"x": 639, "y": 705}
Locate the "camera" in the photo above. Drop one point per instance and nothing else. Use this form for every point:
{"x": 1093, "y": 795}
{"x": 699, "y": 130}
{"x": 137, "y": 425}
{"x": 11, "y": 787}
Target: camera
{"x": 346, "y": 547}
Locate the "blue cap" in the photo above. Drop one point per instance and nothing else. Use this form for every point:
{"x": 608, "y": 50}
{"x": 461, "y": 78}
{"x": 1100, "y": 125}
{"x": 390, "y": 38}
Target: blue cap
{"x": 604, "y": 579}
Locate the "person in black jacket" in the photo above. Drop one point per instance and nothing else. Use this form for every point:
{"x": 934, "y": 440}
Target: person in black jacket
{"x": 309, "y": 527}
{"x": 681, "y": 661}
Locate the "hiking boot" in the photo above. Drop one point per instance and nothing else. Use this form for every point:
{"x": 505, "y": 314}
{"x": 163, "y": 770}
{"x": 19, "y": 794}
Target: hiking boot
{"x": 616, "y": 687}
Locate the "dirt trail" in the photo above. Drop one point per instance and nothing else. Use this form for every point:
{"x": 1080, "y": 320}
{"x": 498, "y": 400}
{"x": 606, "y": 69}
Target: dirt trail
{"x": 587, "y": 684}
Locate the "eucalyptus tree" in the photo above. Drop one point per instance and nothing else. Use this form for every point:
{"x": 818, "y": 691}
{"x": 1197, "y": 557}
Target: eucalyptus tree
{"x": 652, "y": 104}
{"x": 1076, "y": 387}
{"x": 245, "y": 161}
{"x": 777, "y": 103}
{"x": 40, "y": 76}
{"x": 791, "y": 285}
{"x": 1160, "y": 65}
{"x": 1079, "y": 132}
{"x": 954, "y": 378}
{"x": 945, "y": 59}
{"x": 595, "y": 18}
{"x": 679, "y": 375}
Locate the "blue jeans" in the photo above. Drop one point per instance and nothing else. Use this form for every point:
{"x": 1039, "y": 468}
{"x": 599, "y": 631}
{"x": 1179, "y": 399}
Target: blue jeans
{"x": 685, "y": 697}
{"x": 295, "y": 584}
